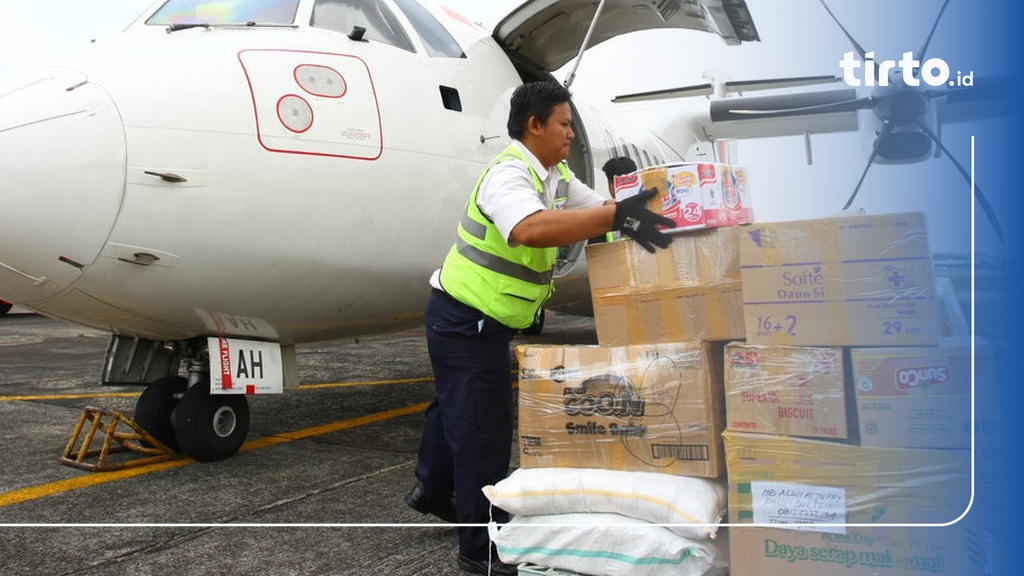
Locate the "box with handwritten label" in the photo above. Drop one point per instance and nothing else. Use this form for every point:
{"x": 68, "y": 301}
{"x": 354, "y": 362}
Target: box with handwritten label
{"x": 804, "y": 494}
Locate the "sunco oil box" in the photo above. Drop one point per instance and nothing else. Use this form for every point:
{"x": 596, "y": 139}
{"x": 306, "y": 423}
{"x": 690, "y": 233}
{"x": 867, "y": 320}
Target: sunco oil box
{"x": 788, "y": 390}
{"x": 654, "y": 408}
{"x": 918, "y": 396}
{"x": 843, "y": 281}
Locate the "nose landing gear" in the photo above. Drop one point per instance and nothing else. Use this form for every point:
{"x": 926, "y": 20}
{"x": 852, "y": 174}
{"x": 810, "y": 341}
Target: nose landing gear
{"x": 189, "y": 419}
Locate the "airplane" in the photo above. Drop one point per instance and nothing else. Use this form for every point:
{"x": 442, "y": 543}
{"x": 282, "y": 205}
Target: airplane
{"x": 224, "y": 181}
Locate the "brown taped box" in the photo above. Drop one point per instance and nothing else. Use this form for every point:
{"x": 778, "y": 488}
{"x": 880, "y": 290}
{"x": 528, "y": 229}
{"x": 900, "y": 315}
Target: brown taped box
{"x": 690, "y": 291}
{"x": 860, "y": 551}
{"x": 653, "y": 408}
{"x": 784, "y": 480}
{"x": 787, "y": 390}
{"x": 843, "y": 281}
{"x": 681, "y": 314}
{"x": 694, "y": 258}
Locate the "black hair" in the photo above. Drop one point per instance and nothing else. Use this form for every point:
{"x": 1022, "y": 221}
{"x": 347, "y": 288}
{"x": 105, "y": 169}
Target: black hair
{"x": 534, "y": 99}
{"x": 618, "y": 166}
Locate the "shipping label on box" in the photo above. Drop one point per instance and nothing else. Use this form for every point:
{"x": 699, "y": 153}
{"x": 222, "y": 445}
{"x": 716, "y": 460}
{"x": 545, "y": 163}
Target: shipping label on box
{"x": 852, "y": 281}
{"x": 653, "y": 408}
{"x": 917, "y": 397}
{"x": 788, "y": 390}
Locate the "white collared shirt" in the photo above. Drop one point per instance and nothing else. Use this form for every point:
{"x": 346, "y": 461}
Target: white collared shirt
{"x": 507, "y": 195}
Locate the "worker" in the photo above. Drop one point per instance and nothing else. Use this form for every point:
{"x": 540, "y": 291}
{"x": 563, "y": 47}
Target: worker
{"x": 494, "y": 281}
{"x": 616, "y": 166}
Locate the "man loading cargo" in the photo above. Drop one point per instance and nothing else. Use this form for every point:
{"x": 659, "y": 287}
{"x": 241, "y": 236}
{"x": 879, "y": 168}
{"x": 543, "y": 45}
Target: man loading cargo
{"x": 494, "y": 281}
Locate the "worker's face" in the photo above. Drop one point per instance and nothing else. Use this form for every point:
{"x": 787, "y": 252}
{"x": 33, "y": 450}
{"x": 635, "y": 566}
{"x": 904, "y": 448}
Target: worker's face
{"x": 553, "y": 138}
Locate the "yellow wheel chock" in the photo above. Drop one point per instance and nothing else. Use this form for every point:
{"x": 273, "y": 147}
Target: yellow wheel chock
{"x": 113, "y": 441}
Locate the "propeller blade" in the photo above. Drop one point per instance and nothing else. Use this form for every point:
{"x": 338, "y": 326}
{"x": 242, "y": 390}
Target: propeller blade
{"x": 861, "y": 51}
{"x": 886, "y": 130}
{"x": 985, "y": 206}
{"x": 808, "y": 103}
{"x": 730, "y": 86}
{"x": 924, "y": 48}
{"x": 684, "y": 92}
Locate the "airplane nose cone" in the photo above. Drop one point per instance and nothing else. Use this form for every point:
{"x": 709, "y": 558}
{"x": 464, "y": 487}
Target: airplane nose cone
{"x": 62, "y": 177}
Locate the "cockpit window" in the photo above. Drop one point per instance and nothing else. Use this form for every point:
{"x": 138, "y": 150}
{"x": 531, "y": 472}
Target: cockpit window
{"x": 435, "y": 36}
{"x": 344, "y": 15}
{"x": 225, "y": 12}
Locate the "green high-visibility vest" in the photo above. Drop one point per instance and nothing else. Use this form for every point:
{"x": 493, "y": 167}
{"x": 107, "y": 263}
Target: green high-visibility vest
{"x": 482, "y": 270}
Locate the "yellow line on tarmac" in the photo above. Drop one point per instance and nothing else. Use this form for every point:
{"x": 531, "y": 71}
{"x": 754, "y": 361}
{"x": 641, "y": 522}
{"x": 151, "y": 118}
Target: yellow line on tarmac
{"x": 68, "y": 396}
{"x": 368, "y": 383}
{"x": 97, "y": 478}
{"x": 44, "y": 397}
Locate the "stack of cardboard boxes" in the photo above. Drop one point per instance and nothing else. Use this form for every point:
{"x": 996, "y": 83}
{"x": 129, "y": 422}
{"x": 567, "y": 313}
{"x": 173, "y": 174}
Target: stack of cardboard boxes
{"x": 802, "y": 362}
{"x": 844, "y": 406}
{"x": 649, "y": 397}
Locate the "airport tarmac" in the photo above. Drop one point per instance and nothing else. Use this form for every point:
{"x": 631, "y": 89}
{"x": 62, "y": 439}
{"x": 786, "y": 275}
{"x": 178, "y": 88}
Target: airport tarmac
{"x": 317, "y": 488}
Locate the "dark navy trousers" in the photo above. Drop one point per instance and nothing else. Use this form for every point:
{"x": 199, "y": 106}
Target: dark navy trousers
{"x": 467, "y": 437}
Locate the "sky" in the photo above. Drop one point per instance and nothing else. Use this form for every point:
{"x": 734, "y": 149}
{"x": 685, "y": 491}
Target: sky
{"x": 798, "y": 38}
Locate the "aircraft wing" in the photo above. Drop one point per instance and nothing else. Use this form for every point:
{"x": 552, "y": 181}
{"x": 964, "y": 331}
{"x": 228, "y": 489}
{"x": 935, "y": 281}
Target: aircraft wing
{"x": 550, "y": 32}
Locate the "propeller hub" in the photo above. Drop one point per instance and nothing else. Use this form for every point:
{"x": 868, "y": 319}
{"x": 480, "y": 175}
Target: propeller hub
{"x": 901, "y": 107}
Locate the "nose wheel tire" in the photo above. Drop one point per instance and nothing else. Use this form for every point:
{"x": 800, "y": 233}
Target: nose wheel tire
{"x": 154, "y": 407}
{"x": 210, "y": 427}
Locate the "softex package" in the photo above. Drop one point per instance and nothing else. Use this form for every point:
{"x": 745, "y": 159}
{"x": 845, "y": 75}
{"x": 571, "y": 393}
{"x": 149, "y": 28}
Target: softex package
{"x": 843, "y": 281}
{"x": 654, "y": 408}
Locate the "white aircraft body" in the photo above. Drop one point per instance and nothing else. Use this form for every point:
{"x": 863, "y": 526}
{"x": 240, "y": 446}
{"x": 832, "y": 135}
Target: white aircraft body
{"x": 225, "y": 180}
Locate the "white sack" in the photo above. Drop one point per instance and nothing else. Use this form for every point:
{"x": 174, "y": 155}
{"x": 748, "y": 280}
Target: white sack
{"x": 607, "y": 545}
{"x": 690, "y": 507}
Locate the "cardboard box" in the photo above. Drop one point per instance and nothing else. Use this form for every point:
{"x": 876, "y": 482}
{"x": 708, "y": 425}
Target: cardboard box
{"x": 788, "y": 390}
{"x": 918, "y": 397}
{"x": 696, "y": 258}
{"x": 844, "y": 281}
{"x": 694, "y": 196}
{"x": 690, "y": 291}
{"x": 863, "y": 551}
{"x": 671, "y": 315}
{"x": 807, "y": 484}
{"x": 653, "y": 408}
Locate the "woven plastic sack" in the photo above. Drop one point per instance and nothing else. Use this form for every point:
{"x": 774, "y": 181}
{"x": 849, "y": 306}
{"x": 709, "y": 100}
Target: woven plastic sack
{"x": 690, "y": 507}
{"x": 607, "y": 545}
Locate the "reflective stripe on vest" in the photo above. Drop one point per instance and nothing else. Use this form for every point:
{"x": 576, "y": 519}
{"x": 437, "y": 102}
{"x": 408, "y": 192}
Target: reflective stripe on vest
{"x": 483, "y": 271}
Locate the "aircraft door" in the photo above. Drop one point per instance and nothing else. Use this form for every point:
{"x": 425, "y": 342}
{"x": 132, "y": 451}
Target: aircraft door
{"x": 63, "y": 154}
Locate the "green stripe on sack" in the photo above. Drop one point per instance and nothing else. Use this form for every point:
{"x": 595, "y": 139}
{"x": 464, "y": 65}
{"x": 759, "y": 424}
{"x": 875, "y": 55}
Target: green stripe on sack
{"x": 603, "y": 554}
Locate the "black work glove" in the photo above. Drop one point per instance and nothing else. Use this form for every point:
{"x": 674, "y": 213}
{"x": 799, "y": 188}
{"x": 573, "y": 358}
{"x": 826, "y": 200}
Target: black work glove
{"x": 633, "y": 219}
